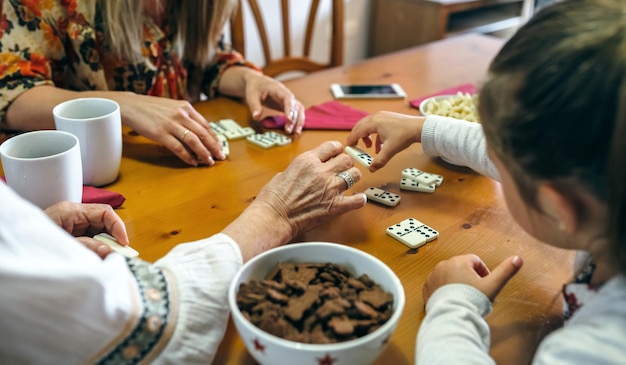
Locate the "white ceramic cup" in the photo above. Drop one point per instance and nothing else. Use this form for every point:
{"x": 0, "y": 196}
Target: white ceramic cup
{"x": 44, "y": 167}
{"x": 98, "y": 125}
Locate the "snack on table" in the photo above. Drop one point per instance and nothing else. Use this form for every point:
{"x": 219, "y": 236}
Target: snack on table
{"x": 460, "y": 106}
{"x": 315, "y": 303}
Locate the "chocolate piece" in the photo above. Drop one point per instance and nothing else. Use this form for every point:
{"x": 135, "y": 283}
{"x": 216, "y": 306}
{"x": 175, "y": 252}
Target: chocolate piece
{"x": 376, "y": 297}
{"x": 330, "y": 308}
{"x": 341, "y": 326}
{"x": 298, "y": 305}
{"x": 365, "y": 310}
{"x": 277, "y": 296}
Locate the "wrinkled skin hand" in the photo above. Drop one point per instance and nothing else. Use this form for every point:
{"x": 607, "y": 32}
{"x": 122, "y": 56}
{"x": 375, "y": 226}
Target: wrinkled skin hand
{"x": 471, "y": 270}
{"x": 394, "y": 133}
{"x": 308, "y": 192}
{"x": 86, "y": 220}
{"x": 305, "y": 195}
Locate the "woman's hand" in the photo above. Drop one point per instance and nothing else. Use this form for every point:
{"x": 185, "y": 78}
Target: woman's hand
{"x": 262, "y": 91}
{"x": 394, "y": 133}
{"x": 86, "y": 220}
{"x": 305, "y": 195}
{"x": 471, "y": 270}
{"x": 173, "y": 123}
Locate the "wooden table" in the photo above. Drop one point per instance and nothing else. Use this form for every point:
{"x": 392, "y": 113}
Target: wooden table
{"x": 169, "y": 202}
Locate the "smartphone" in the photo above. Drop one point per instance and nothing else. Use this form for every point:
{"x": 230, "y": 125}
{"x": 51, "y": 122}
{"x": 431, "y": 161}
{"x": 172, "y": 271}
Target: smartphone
{"x": 371, "y": 91}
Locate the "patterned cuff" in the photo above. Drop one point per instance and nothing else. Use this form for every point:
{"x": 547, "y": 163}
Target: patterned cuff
{"x": 157, "y": 321}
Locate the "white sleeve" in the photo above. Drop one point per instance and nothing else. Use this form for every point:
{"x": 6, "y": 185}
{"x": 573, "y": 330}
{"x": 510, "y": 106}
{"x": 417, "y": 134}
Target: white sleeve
{"x": 595, "y": 334}
{"x": 203, "y": 271}
{"x": 458, "y": 142}
{"x": 454, "y": 331}
{"x": 61, "y": 303}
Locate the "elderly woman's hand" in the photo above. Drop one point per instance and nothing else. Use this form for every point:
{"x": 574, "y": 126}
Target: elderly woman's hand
{"x": 305, "y": 195}
{"x": 85, "y": 220}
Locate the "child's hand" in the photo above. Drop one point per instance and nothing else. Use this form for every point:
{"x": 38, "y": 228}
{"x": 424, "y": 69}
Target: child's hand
{"x": 395, "y": 132}
{"x": 470, "y": 270}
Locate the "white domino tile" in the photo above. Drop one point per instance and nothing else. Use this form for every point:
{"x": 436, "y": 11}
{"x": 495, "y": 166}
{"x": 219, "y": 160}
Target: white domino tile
{"x": 115, "y": 246}
{"x": 224, "y": 142}
{"x": 412, "y": 232}
{"x": 412, "y": 185}
{"x": 280, "y": 139}
{"x": 261, "y": 140}
{"x": 231, "y": 129}
{"x": 382, "y": 196}
{"x": 359, "y": 155}
{"x": 422, "y": 177}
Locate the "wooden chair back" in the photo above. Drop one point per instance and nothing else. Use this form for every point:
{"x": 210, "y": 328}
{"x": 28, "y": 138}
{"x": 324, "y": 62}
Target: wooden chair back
{"x": 288, "y": 61}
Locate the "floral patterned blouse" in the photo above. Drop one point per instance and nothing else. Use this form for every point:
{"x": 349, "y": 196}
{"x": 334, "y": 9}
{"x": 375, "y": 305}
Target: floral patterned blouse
{"x": 61, "y": 43}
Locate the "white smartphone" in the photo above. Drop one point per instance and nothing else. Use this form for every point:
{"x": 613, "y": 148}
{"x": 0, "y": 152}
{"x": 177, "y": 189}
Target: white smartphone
{"x": 369, "y": 91}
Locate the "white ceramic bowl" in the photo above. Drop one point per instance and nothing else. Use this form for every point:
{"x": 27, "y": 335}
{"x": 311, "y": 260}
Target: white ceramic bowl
{"x": 427, "y": 100}
{"x": 268, "y": 349}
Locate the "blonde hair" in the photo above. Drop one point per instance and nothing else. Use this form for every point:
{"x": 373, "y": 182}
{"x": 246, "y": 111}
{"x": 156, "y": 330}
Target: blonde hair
{"x": 123, "y": 21}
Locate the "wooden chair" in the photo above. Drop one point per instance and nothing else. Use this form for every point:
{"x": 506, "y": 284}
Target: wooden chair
{"x": 289, "y": 62}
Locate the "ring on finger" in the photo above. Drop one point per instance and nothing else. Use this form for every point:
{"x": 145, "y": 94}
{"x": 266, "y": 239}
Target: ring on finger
{"x": 347, "y": 178}
{"x": 182, "y": 138}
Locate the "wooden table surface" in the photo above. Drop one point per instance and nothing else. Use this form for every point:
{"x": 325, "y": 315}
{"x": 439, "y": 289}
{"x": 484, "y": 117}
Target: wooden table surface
{"x": 169, "y": 202}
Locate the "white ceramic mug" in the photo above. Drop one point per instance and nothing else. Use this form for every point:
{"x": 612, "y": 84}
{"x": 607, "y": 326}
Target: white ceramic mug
{"x": 98, "y": 125}
{"x": 44, "y": 167}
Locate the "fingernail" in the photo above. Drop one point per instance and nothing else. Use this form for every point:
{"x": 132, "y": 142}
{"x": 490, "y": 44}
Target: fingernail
{"x": 211, "y": 161}
{"x": 102, "y": 249}
{"x": 364, "y": 198}
{"x": 289, "y": 128}
{"x": 256, "y": 114}
{"x": 517, "y": 261}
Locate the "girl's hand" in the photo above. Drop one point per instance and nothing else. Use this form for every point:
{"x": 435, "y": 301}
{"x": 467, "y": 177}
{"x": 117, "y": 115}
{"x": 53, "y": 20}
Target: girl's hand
{"x": 394, "y": 133}
{"x": 471, "y": 270}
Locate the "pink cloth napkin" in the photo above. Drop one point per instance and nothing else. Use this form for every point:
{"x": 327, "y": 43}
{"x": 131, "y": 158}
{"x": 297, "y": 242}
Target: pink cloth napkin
{"x": 330, "y": 115}
{"x": 465, "y": 88}
{"x": 98, "y": 195}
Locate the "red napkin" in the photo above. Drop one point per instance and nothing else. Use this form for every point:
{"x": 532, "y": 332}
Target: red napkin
{"x": 330, "y": 115}
{"x": 98, "y": 195}
{"x": 465, "y": 88}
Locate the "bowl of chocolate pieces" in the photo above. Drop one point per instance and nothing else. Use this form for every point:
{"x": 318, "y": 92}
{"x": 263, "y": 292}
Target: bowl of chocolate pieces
{"x": 315, "y": 303}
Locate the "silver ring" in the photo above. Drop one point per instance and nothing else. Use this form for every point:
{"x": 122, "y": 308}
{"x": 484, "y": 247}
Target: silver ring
{"x": 347, "y": 177}
{"x": 182, "y": 138}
